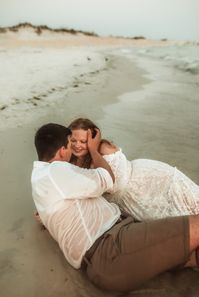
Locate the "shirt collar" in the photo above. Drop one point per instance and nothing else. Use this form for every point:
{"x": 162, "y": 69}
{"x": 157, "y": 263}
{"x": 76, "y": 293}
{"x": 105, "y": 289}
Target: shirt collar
{"x": 39, "y": 164}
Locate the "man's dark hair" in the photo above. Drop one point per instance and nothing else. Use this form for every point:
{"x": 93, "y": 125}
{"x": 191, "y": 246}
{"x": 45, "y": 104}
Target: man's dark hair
{"x": 49, "y": 138}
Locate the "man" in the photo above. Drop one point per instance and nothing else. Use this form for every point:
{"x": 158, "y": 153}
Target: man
{"x": 116, "y": 253}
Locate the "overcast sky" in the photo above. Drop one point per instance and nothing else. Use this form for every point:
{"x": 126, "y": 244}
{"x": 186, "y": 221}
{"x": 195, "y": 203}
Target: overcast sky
{"x": 172, "y": 19}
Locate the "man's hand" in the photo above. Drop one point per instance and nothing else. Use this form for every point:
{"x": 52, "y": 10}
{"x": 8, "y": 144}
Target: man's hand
{"x": 93, "y": 143}
{"x": 97, "y": 159}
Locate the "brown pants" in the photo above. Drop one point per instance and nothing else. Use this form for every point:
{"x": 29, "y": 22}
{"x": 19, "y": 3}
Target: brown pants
{"x": 130, "y": 253}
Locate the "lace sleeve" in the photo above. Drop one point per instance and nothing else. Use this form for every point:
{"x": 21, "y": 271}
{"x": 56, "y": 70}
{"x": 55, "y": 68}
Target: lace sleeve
{"x": 120, "y": 167}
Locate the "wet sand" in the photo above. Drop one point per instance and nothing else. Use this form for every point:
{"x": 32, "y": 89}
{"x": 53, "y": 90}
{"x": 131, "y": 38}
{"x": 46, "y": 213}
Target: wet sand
{"x": 123, "y": 100}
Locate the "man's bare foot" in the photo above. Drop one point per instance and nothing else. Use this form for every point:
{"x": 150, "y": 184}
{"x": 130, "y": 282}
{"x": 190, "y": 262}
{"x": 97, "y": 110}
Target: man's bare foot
{"x": 192, "y": 260}
{"x": 38, "y": 219}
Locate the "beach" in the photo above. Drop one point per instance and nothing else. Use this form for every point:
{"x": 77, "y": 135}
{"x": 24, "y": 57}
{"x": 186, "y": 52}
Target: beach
{"x": 143, "y": 94}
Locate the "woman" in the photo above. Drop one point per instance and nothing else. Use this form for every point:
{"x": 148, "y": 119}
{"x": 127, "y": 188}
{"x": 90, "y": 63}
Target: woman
{"x": 147, "y": 189}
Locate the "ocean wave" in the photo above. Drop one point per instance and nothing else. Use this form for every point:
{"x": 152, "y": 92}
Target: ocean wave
{"x": 189, "y": 66}
{"x": 184, "y": 58}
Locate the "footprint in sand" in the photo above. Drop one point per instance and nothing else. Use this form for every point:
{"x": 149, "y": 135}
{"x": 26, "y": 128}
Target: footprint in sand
{"x": 3, "y": 107}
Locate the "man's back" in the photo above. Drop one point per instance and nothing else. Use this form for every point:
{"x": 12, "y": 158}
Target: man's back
{"x": 69, "y": 202}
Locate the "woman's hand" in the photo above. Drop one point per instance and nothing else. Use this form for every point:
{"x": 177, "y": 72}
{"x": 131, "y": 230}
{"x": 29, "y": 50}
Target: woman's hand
{"x": 93, "y": 143}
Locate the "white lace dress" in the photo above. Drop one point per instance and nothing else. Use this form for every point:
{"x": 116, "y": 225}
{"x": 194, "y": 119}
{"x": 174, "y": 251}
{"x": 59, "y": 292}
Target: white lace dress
{"x": 150, "y": 189}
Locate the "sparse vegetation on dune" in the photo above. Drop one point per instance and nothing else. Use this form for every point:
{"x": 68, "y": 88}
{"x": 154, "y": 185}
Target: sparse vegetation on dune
{"x": 3, "y": 30}
{"x": 128, "y": 37}
{"x": 39, "y": 29}
{"x": 137, "y": 37}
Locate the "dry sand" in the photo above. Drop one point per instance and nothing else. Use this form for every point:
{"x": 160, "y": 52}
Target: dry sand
{"x": 147, "y": 115}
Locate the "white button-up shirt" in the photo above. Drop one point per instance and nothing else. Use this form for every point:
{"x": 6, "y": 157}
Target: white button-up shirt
{"x": 69, "y": 201}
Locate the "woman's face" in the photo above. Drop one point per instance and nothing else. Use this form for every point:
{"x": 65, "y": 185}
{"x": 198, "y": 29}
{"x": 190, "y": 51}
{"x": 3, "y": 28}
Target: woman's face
{"x": 79, "y": 143}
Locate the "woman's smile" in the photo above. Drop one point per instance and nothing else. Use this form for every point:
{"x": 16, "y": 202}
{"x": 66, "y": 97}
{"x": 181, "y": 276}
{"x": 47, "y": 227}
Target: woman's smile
{"x": 79, "y": 142}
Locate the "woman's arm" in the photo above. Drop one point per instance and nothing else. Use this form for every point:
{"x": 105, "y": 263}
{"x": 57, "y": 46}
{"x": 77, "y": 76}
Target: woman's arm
{"x": 118, "y": 163}
{"x": 107, "y": 148}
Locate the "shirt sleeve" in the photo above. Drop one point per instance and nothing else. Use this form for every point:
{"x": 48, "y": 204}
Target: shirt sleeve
{"x": 73, "y": 182}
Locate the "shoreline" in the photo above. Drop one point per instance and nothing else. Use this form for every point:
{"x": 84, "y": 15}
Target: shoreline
{"x": 162, "y": 117}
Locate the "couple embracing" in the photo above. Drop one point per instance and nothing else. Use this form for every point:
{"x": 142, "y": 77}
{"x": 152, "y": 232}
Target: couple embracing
{"x": 147, "y": 224}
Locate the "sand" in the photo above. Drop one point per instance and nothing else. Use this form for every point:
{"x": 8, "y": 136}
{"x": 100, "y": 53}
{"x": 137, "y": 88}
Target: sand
{"x": 146, "y": 104}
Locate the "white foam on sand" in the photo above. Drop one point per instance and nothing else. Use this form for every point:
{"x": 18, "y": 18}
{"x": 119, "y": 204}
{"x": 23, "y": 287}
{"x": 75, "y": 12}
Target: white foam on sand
{"x": 31, "y": 78}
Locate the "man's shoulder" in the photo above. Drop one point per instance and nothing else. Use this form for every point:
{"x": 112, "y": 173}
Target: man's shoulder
{"x": 60, "y": 165}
